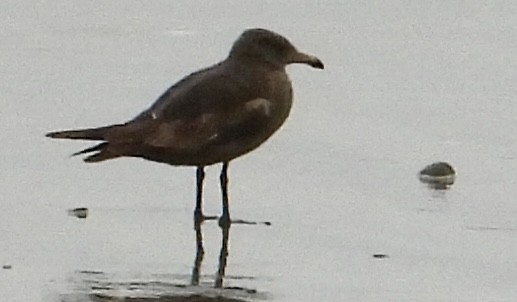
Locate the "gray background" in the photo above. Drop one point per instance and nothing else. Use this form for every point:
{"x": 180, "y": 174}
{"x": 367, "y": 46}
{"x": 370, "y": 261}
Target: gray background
{"x": 406, "y": 83}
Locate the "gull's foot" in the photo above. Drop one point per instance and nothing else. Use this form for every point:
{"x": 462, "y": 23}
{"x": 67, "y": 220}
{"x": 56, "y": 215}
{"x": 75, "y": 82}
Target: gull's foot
{"x": 199, "y": 217}
{"x": 240, "y": 221}
{"x": 225, "y": 221}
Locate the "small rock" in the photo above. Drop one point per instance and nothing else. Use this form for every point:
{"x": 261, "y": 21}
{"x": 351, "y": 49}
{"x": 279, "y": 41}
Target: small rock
{"x": 78, "y": 212}
{"x": 438, "y": 175}
{"x": 380, "y": 256}
{"x": 7, "y": 266}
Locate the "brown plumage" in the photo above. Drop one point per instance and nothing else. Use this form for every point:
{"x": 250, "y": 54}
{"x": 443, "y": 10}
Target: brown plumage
{"x": 213, "y": 115}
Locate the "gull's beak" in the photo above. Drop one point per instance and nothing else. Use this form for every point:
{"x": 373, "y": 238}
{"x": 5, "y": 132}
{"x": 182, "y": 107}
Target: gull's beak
{"x": 303, "y": 58}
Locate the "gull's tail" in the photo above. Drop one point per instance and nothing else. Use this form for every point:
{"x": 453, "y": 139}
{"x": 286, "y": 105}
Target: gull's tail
{"x": 96, "y": 134}
{"x": 102, "y": 150}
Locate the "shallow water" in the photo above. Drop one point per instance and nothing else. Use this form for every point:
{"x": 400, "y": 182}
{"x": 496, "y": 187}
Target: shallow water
{"x": 405, "y": 85}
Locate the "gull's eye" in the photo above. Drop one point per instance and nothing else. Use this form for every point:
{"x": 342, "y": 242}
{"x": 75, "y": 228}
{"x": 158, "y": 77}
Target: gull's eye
{"x": 276, "y": 46}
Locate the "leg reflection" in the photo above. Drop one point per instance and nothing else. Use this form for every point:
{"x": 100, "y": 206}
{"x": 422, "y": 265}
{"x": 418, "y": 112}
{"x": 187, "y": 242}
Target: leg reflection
{"x": 200, "y": 253}
{"x": 223, "y": 255}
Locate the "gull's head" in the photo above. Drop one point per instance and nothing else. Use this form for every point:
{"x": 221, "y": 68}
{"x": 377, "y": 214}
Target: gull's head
{"x": 259, "y": 44}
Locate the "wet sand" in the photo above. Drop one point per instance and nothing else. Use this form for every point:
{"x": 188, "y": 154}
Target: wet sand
{"x": 192, "y": 298}
{"x": 406, "y": 85}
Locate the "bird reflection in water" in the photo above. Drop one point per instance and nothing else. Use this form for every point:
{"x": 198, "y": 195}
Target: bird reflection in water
{"x": 200, "y": 252}
{"x": 154, "y": 291}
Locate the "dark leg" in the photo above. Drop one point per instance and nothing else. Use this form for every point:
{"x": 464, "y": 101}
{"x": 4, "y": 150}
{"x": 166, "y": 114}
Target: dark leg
{"x": 198, "y": 211}
{"x": 224, "y": 221}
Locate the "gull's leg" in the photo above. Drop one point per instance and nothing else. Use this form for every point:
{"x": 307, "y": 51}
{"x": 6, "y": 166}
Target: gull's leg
{"x": 198, "y": 211}
{"x": 224, "y": 221}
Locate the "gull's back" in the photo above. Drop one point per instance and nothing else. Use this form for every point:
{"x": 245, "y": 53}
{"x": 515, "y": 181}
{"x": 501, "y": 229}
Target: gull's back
{"x": 213, "y": 115}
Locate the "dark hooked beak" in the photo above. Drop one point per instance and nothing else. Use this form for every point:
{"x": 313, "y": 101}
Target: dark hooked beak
{"x": 303, "y": 58}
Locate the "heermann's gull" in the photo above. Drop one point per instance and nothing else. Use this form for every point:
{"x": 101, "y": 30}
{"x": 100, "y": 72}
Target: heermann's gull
{"x": 211, "y": 116}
